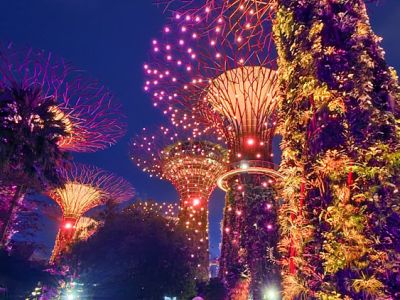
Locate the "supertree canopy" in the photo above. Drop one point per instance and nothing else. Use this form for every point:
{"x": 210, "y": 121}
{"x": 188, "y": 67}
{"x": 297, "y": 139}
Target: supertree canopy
{"x": 205, "y": 73}
{"x": 193, "y": 167}
{"x": 48, "y": 108}
{"x": 90, "y": 116}
{"x": 85, "y": 187}
{"x": 247, "y": 19}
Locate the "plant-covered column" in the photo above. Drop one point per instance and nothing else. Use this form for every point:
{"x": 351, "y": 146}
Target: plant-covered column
{"x": 340, "y": 153}
{"x": 251, "y": 232}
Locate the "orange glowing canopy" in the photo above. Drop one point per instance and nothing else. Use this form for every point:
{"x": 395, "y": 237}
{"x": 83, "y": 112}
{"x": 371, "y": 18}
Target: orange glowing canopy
{"x": 86, "y": 187}
{"x": 246, "y": 97}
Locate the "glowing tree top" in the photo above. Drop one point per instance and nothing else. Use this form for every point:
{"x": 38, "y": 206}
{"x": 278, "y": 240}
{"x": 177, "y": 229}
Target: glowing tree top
{"x": 192, "y": 166}
{"x": 86, "y": 187}
{"x": 88, "y": 111}
{"x": 206, "y": 71}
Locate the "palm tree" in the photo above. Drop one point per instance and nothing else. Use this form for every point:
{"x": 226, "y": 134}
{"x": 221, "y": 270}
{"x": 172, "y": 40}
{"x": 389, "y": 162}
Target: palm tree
{"x": 29, "y": 153}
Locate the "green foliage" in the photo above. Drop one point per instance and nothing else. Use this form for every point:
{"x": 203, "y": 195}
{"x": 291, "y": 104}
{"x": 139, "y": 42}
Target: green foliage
{"x": 29, "y": 154}
{"x": 136, "y": 255}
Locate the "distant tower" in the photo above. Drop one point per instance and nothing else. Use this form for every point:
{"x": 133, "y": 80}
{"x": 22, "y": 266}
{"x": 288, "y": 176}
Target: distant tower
{"x": 208, "y": 71}
{"x": 85, "y": 187}
{"x": 193, "y": 168}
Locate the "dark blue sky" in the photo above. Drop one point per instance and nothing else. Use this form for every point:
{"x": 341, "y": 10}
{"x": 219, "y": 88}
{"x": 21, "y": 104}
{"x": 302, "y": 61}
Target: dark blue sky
{"x": 110, "y": 39}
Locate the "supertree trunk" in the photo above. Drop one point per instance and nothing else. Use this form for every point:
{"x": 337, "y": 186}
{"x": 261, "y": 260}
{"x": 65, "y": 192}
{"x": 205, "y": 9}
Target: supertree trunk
{"x": 340, "y": 142}
{"x": 250, "y": 236}
{"x": 195, "y": 219}
{"x": 64, "y": 236}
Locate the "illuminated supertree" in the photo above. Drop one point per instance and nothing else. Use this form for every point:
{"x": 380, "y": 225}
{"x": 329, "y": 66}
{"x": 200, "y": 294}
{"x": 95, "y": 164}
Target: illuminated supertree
{"x": 85, "y": 187}
{"x": 193, "y": 167}
{"x": 47, "y": 108}
{"x": 206, "y": 73}
{"x": 92, "y": 118}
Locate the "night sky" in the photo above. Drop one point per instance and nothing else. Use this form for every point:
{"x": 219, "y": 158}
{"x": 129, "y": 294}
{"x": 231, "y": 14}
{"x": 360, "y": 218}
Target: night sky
{"x": 110, "y": 40}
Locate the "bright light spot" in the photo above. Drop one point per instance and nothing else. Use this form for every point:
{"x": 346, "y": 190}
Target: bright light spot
{"x": 70, "y": 297}
{"x": 271, "y": 293}
{"x": 244, "y": 165}
{"x": 196, "y": 202}
{"x": 250, "y": 141}
{"x": 68, "y": 225}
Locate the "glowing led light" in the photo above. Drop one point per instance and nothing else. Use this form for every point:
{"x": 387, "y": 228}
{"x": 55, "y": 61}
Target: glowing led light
{"x": 244, "y": 165}
{"x": 250, "y": 141}
{"x": 270, "y": 293}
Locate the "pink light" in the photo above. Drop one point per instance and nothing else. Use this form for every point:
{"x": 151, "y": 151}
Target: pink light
{"x": 269, "y": 226}
{"x": 68, "y": 225}
{"x": 196, "y": 202}
{"x": 250, "y": 141}
{"x": 269, "y": 206}
{"x": 166, "y": 29}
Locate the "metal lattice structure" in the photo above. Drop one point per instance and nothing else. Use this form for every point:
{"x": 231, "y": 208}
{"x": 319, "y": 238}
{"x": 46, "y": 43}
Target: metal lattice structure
{"x": 85, "y": 188}
{"x": 206, "y": 72}
{"x": 192, "y": 167}
{"x": 210, "y": 80}
{"x": 248, "y": 19}
{"x": 92, "y": 117}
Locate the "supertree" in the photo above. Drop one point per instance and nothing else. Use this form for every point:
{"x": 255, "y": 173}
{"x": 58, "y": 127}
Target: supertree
{"x": 192, "y": 166}
{"x": 340, "y": 152}
{"x": 47, "y": 108}
{"x": 206, "y": 73}
{"x": 84, "y": 187}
